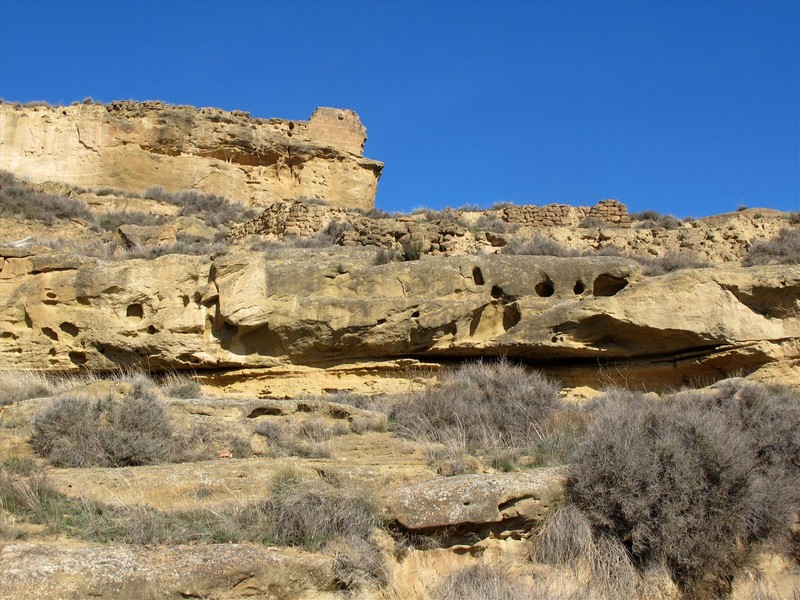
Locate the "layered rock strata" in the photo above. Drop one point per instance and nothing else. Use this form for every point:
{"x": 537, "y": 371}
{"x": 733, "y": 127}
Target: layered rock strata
{"x": 136, "y": 145}
{"x": 299, "y": 306}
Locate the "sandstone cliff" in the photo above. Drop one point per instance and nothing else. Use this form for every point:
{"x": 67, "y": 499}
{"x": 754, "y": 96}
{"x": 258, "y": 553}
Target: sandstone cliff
{"x": 136, "y": 145}
{"x": 296, "y": 306}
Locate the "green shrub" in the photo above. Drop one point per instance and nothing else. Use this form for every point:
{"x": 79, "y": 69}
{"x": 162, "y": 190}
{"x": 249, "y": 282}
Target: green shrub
{"x": 693, "y": 481}
{"x": 77, "y": 432}
{"x": 783, "y": 249}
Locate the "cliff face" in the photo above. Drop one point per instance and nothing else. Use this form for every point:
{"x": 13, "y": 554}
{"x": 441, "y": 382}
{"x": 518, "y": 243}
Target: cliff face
{"x": 312, "y": 306}
{"x": 135, "y": 145}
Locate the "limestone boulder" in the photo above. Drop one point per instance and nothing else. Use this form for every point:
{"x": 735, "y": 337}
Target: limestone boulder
{"x": 466, "y": 508}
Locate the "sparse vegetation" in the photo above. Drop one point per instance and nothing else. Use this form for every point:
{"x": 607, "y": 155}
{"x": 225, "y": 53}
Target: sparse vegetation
{"x": 539, "y": 246}
{"x": 20, "y": 199}
{"x": 671, "y": 261}
{"x": 695, "y": 481}
{"x": 481, "y": 407}
{"x": 16, "y": 386}
{"x": 650, "y": 219}
{"x": 79, "y": 432}
{"x": 481, "y": 582}
{"x": 783, "y": 249}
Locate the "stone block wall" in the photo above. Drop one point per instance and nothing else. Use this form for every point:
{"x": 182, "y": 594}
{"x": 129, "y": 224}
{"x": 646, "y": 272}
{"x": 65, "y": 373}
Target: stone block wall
{"x": 612, "y": 212}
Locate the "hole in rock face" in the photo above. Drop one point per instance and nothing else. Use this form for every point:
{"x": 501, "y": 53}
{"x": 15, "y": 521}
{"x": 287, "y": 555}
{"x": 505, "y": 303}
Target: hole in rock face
{"x": 151, "y": 329}
{"x": 51, "y": 295}
{"x": 304, "y": 408}
{"x": 554, "y": 339}
{"x": 608, "y": 285}
{"x": 477, "y": 276}
{"x": 262, "y": 411}
{"x": 83, "y": 300}
{"x": 69, "y": 328}
{"x": 415, "y": 314}
{"x": 511, "y": 316}
{"x": 50, "y": 333}
{"x": 78, "y": 358}
{"x": 135, "y": 311}
{"x": 381, "y": 321}
{"x": 579, "y": 287}
{"x": 545, "y": 288}
{"x": 497, "y": 291}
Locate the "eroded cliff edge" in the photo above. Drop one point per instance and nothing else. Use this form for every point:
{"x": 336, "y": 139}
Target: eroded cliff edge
{"x": 136, "y": 145}
{"x": 311, "y": 306}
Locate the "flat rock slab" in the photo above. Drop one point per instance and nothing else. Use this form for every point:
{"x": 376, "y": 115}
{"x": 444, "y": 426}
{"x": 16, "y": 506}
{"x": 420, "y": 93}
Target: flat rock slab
{"x": 472, "y": 501}
{"x": 56, "y": 570}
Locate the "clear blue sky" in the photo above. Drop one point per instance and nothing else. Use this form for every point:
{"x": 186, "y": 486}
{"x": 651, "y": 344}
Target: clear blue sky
{"x": 690, "y": 108}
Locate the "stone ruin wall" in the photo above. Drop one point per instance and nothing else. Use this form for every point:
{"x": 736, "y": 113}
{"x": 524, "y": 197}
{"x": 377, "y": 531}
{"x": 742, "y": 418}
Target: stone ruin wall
{"x": 613, "y": 212}
{"x": 441, "y": 235}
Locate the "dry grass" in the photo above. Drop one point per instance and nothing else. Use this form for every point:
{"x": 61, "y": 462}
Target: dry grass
{"x": 498, "y": 408}
{"x": 23, "y": 385}
{"x": 308, "y": 513}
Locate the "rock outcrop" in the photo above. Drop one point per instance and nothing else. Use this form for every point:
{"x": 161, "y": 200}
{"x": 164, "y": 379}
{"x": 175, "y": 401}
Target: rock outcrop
{"x": 310, "y": 306}
{"x": 136, "y": 145}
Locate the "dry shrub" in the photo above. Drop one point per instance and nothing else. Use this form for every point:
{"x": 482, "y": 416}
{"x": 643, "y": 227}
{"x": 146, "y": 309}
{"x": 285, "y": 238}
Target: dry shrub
{"x": 650, "y": 219}
{"x": 694, "y": 481}
{"x": 79, "y": 432}
{"x": 358, "y": 562}
{"x": 671, "y": 261}
{"x": 19, "y": 199}
{"x": 783, "y": 249}
{"x": 539, "y": 246}
{"x": 565, "y": 539}
{"x": 285, "y": 440}
{"x": 176, "y": 385}
{"x": 311, "y": 513}
{"x": 482, "y": 406}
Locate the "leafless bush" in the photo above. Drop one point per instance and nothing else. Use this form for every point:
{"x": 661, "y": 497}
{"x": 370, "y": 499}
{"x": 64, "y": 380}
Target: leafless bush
{"x": 650, "y": 219}
{"x": 78, "y": 432}
{"x": 783, "y": 249}
{"x": 481, "y": 406}
{"x": 695, "y": 481}
{"x": 285, "y": 440}
{"x": 671, "y": 261}
{"x": 19, "y": 199}
{"x": 539, "y": 246}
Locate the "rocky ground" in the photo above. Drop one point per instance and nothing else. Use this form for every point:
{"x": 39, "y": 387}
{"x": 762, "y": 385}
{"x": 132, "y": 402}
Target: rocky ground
{"x": 290, "y": 349}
